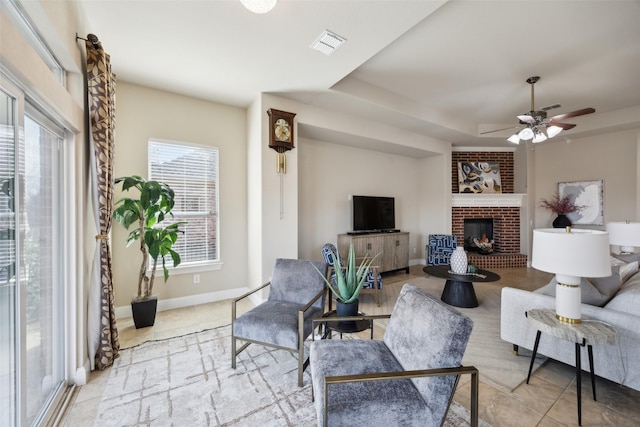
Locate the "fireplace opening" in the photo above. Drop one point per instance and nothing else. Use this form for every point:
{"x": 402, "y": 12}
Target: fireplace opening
{"x": 478, "y": 235}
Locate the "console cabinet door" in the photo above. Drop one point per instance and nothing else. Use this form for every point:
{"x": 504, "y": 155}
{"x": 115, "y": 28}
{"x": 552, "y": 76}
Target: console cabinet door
{"x": 396, "y": 251}
{"x": 392, "y": 249}
{"x": 369, "y": 246}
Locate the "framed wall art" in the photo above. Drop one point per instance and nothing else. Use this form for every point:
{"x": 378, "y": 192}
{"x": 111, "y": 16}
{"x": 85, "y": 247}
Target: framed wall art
{"x": 479, "y": 177}
{"x": 587, "y": 194}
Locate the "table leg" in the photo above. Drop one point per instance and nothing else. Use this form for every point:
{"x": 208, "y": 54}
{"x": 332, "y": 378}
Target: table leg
{"x": 459, "y": 294}
{"x": 579, "y": 383}
{"x": 593, "y": 375}
{"x": 533, "y": 355}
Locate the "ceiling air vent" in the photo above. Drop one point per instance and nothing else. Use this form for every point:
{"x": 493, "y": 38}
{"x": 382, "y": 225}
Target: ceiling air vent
{"x": 327, "y": 42}
{"x": 551, "y": 107}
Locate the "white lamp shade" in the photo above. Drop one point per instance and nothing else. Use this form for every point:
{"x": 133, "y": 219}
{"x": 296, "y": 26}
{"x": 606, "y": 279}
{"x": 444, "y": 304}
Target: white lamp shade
{"x": 526, "y": 133}
{"x": 540, "y": 137}
{"x": 553, "y": 131}
{"x": 570, "y": 255}
{"x": 624, "y": 234}
{"x": 259, "y": 6}
{"x": 580, "y": 253}
{"x": 514, "y": 138}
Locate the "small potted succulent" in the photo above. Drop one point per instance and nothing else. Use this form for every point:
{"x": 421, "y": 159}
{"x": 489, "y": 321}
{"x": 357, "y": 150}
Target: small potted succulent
{"x": 346, "y": 282}
{"x": 146, "y": 213}
{"x": 561, "y": 206}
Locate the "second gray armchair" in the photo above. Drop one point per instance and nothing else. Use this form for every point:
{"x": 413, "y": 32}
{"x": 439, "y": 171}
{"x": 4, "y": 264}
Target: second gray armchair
{"x": 407, "y": 379}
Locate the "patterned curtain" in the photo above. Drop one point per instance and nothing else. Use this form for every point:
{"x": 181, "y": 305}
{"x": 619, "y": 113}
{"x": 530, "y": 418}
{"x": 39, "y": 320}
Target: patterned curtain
{"x": 101, "y": 84}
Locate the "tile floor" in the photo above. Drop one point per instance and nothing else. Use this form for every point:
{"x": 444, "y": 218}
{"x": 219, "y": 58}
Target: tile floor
{"x": 548, "y": 400}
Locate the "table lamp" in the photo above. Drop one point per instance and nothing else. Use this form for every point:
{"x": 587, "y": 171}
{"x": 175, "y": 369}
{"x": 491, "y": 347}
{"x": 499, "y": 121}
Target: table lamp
{"x": 570, "y": 255}
{"x": 624, "y": 234}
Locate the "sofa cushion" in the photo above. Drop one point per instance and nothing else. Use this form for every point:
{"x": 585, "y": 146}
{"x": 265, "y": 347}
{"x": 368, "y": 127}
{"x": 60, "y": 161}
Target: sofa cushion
{"x": 620, "y": 273}
{"x": 628, "y": 270}
{"x": 627, "y": 257}
{"x": 627, "y": 299}
{"x": 588, "y": 292}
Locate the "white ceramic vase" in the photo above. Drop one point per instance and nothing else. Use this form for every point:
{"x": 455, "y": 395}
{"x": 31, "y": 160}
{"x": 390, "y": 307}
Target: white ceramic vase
{"x": 459, "y": 261}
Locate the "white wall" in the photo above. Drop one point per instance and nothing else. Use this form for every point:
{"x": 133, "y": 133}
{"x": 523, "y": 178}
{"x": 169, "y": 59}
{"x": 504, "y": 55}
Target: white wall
{"x": 330, "y": 173}
{"x": 143, "y": 113}
{"x": 612, "y": 157}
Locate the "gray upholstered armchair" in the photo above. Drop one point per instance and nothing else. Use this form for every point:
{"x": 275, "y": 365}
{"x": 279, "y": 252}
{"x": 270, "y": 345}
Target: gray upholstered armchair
{"x": 296, "y": 296}
{"x": 406, "y": 379}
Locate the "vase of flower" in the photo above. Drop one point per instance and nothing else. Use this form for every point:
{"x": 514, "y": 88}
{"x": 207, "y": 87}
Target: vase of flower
{"x": 459, "y": 261}
{"x": 561, "y": 221}
{"x": 560, "y": 206}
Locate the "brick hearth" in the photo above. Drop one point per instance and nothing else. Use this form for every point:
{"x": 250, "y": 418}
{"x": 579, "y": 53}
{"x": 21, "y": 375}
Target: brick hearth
{"x": 506, "y": 234}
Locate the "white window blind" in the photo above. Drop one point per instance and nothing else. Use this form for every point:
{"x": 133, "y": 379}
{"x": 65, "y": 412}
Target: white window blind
{"x": 192, "y": 172}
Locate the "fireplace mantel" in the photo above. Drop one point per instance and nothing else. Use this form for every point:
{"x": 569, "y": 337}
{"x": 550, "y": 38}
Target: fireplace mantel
{"x": 467, "y": 200}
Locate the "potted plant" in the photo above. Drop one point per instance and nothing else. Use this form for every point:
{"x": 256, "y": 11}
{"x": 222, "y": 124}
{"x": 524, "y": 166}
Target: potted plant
{"x": 146, "y": 213}
{"x": 561, "y": 207}
{"x": 346, "y": 282}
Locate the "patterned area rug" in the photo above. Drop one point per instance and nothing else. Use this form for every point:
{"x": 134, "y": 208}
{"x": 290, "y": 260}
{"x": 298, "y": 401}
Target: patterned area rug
{"x": 188, "y": 381}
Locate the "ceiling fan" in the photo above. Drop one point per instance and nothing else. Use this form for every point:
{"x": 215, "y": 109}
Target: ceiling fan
{"x": 536, "y": 125}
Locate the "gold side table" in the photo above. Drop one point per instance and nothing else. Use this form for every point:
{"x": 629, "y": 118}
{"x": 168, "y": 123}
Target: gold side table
{"x": 588, "y": 332}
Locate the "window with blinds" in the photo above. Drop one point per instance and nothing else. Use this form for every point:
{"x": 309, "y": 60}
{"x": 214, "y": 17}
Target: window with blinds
{"x": 192, "y": 172}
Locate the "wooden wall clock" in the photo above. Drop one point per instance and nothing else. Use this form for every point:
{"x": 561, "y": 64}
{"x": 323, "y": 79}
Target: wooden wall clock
{"x": 280, "y": 130}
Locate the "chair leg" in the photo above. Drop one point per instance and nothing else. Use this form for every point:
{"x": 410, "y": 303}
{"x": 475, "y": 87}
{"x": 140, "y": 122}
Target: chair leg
{"x": 233, "y": 337}
{"x": 475, "y": 388}
{"x": 233, "y": 351}
{"x": 300, "y": 348}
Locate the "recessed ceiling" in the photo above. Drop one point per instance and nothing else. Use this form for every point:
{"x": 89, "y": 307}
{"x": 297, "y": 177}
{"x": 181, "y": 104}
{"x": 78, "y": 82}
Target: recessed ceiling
{"x": 448, "y": 70}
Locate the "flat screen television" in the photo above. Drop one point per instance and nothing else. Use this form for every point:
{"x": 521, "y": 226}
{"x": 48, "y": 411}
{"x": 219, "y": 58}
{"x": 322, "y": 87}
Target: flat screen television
{"x": 372, "y": 214}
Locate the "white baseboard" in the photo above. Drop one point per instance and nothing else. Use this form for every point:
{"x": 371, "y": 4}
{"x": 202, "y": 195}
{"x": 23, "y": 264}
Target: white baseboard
{"x": 417, "y": 261}
{"x": 170, "y": 304}
{"x": 82, "y": 374}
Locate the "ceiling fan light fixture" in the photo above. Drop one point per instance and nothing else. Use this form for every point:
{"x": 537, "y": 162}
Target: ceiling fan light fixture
{"x": 553, "y": 131}
{"x": 526, "y": 134}
{"x": 514, "y": 138}
{"x": 259, "y": 6}
{"x": 539, "y": 137}
{"x": 526, "y": 118}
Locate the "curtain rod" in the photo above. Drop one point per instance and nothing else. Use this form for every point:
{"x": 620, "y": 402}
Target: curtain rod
{"x": 91, "y": 38}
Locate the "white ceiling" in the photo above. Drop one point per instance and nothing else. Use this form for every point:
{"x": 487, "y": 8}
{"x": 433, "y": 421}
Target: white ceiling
{"x": 444, "y": 69}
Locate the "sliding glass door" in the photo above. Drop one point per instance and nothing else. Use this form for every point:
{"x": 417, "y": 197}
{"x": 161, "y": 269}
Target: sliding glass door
{"x": 8, "y": 300}
{"x": 32, "y": 303}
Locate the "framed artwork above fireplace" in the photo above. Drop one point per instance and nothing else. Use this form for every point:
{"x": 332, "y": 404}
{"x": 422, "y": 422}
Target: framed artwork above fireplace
{"x": 589, "y": 195}
{"x": 479, "y": 177}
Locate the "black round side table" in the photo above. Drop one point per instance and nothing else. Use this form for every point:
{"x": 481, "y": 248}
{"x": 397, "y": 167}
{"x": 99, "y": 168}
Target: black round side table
{"x": 458, "y": 289}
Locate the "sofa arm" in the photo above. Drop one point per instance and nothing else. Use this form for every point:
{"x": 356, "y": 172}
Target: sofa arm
{"x": 619, "y": 362}
{"x": 514, "y": 325}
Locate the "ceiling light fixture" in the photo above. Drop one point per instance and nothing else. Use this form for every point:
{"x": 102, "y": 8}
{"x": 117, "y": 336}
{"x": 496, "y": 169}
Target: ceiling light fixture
{"x": 539, "y": 137}
{"x": 553, "y": 131}
{"x": 526, "y": 134}
{"x": 514, "y": 138}
{"x": 328, "y": 42}
{"x": 259, "y": 6}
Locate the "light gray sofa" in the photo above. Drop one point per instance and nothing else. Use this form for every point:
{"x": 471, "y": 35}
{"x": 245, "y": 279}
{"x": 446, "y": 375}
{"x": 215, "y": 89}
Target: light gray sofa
{"x": 619, "y": 362}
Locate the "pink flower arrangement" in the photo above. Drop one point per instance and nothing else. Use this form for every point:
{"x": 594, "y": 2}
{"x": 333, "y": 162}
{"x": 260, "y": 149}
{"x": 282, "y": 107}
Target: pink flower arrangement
{"x": 560, "y": 206}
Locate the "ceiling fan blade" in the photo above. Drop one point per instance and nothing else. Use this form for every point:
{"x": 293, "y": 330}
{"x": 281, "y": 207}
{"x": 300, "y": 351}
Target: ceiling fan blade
{"x": 564, "y": 126}
{"x": 498, "y": 130}
{"x": 573, "y": 114}
{"x": 526, "y": 118}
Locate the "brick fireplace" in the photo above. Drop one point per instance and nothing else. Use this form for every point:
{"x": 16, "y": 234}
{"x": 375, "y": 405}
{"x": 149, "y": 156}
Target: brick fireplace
{"x": 505, "y": 210}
